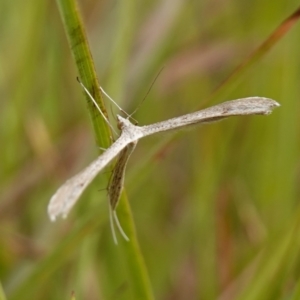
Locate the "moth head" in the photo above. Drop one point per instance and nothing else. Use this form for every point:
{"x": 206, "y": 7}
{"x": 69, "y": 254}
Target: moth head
{"x": 122, "y": 122}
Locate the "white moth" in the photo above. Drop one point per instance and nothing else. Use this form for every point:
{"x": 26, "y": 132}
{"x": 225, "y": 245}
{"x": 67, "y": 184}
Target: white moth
{"x": 68, "y": 194}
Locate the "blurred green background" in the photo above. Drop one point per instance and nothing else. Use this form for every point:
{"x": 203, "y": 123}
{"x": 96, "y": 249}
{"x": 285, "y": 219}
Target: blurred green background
{"x": 215, "y": 208}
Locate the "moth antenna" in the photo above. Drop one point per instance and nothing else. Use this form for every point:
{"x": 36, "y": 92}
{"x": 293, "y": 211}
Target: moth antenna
{"x": 112, "y": 226}
{"x": 139, "y": 105}
{"x": 97, "y": 106}
{"x": 126, "y": 238}
{"x": 113, "y": 101}
{"x": 117, "y": 105}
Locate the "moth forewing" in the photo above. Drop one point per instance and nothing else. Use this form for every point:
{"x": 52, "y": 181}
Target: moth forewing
{"x": 239, "y": 107}
{"x": 115, "y": 187}
{"x": 116, "y": 182}
{"x": 67, "y": 195}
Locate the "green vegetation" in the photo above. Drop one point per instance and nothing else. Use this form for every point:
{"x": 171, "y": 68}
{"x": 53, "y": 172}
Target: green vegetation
{"x": 212, "y": 213}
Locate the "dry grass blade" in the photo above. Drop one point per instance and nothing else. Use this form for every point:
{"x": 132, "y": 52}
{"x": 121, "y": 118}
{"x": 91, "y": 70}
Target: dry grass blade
{"x": 263, "y": 49}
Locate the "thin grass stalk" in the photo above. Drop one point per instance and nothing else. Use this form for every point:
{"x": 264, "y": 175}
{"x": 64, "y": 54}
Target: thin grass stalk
{"x": 53, "y": 262}
{"x": 83, "y": 58}
{"x": 279, "y": 262}
{"x": 2, "y": 295}
{"x": 256, "y": 55}
{"x": 138, "y": 274}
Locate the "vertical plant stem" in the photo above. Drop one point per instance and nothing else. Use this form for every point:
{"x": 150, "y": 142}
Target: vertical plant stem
{"x": 137, "y": 272}
{"x": 2, "y": 295}
{"x": 85, "y": 66}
